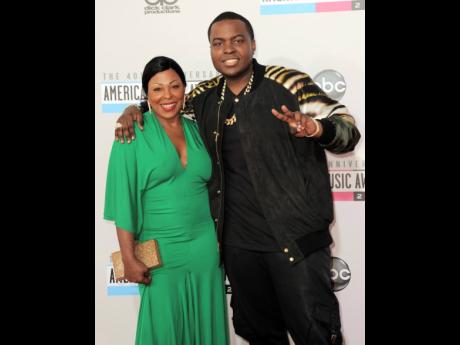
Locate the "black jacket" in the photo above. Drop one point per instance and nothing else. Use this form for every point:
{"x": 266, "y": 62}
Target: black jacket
{"x": 289, "y": 174}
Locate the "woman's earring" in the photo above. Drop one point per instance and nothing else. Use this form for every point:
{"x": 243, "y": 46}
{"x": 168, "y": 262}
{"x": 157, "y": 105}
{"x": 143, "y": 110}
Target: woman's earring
{"x": 150, "y": 109}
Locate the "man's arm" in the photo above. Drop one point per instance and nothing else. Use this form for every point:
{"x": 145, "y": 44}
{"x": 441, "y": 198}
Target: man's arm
{"x": 320, "y": 117}
{"x": 339, "y": 132}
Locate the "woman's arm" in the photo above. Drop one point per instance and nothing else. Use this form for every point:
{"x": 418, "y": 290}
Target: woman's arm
{"x": 135, "y": 271}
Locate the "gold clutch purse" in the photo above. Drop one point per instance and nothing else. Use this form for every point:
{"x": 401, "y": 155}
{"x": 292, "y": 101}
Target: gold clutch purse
{"x": 147, "y": 252}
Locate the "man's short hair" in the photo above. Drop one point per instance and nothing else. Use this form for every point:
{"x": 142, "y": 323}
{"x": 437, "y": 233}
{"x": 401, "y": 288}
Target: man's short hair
{"x": 230, "y": 16}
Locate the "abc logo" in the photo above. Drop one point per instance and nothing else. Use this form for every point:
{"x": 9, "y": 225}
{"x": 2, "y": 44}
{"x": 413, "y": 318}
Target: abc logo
{"x": 161, "y": 2}
{"x": 340, "y": 274}
{"x": 331, "y": 82}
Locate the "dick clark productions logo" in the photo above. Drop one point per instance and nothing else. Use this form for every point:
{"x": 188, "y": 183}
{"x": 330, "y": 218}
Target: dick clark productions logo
{"x": 161, "y": 2}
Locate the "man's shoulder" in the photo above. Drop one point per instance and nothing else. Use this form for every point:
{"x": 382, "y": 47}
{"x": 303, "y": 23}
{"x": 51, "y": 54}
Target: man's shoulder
{"x": 275, "y": 71}
{"x": 289, "y": 78}
{"x": 205, "y": 86}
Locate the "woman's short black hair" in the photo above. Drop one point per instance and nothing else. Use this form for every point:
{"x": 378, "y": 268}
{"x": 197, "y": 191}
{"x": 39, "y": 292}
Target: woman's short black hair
{"x": 160, "y": 64}
{"x": 230, "y": 16}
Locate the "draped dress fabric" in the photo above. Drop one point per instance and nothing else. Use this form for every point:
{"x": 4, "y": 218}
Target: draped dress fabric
{"x": 150, "y": 194}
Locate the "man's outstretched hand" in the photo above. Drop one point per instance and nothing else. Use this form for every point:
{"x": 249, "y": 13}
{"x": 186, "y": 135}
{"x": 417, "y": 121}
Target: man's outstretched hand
{"x": 300, "y": 125}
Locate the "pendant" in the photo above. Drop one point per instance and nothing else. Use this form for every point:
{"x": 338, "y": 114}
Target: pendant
{"x": 230, "y": 121}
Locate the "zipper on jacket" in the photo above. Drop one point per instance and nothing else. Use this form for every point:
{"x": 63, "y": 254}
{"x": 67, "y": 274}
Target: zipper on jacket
{"x": 219, "y": 163}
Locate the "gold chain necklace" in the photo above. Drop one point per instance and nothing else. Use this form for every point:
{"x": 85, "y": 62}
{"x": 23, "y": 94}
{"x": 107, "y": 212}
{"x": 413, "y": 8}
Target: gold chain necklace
{"x": 230, "y": 121}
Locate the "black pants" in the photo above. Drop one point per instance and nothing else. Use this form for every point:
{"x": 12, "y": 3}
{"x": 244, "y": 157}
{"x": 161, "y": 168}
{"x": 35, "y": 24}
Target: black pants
{"x": 271, "y": 297}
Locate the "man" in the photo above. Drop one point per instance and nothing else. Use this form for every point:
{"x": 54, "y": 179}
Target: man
{"x": 270, "y": 183}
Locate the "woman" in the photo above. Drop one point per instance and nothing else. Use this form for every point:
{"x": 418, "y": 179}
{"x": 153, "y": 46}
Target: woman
{"x": 157, "y": 189}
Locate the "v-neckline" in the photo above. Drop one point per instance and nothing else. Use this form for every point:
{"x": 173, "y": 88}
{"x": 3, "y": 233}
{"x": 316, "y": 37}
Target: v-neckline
{"x": 177, "y": 154}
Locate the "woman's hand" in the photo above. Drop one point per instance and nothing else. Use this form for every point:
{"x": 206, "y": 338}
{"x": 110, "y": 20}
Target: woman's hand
{"x": 136, "y": 272}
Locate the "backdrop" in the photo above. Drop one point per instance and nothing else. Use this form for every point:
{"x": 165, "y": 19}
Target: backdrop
{"x": 322, "y": 38}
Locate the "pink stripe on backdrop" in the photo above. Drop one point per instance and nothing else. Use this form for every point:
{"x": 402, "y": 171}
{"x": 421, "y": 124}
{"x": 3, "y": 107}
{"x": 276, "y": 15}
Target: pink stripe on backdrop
{"x": 343, "y": 196}
{"x": 333, "y": 6}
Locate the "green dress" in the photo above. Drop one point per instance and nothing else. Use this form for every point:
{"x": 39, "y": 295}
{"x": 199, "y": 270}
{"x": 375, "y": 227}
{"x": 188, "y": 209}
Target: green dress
{"x": 150, "y": 194}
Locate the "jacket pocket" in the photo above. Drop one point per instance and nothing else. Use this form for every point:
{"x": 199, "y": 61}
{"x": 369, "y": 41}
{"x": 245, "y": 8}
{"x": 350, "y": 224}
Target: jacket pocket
{"x": 328, "y": 320}
{"x": 308, "y": 198}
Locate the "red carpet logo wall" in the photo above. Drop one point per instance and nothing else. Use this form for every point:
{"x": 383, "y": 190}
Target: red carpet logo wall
{"x": 268, "y": 7}
{"x": 119, "y": 287}
{"x": 347, "y": 179}
{"x": 118, "y": 90}
{"x": 340, "y": 277}
{"x": 347, "y": 176}
{"x": 134, "y": 24}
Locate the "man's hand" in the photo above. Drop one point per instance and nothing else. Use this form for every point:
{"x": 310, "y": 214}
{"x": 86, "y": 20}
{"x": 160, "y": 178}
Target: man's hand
{"x": 136, "y": 272}
{"x": 300, "y": 125}
{"x": 124, "y": 127}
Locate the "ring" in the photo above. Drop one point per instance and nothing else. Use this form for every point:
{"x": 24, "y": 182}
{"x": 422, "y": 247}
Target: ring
{"x": 118, "y": 125}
